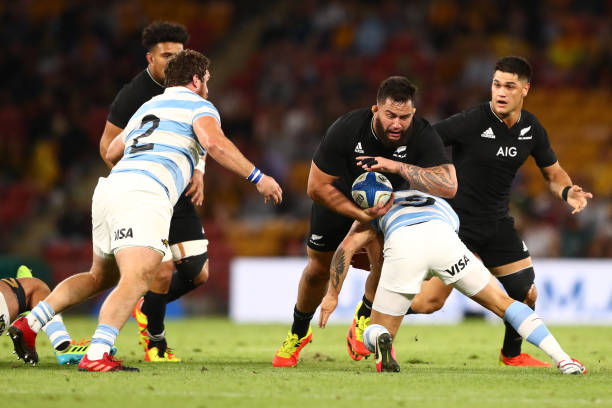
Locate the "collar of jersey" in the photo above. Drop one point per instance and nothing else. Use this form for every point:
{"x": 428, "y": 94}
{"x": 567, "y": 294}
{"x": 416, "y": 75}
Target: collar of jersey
{"x": 500, "y": 119}
{"x": 153, "y": 79}
{"x": 372, "y": 128}
{"x": 179, "y": 89}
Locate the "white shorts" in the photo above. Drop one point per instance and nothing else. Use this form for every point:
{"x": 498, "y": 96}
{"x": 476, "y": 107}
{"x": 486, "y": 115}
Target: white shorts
{"x": 5, "y": 318}
{"x": 417, "y": 252}
{"x": 129, "y": 210}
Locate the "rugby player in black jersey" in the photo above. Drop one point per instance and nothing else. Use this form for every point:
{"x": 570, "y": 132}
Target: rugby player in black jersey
{"x": 187, "y": 240}
{"x": 390, "y": 132}
{"x": 489, "y": 144}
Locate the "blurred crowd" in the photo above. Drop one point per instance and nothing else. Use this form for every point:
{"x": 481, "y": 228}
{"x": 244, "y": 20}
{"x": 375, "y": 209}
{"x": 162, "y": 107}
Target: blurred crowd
{"x": 282, "y": 71}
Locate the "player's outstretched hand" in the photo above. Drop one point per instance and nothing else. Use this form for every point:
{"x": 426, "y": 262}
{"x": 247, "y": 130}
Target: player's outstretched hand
{"x": 269, "y": 188}
{"x": 379, "y": 210}
{"x": 328, "y": 305}
{"x": 195, "y": 188}
{"x": 377, "y": 163}
{"x": 577, "y": 198}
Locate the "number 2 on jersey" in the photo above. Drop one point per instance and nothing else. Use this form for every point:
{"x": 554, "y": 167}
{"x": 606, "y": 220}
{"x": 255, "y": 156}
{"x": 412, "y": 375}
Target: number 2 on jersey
{"x": 135, "y": 148}
{"x": 417, "y": 201}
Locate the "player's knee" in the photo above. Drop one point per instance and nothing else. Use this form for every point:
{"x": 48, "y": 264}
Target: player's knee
{"x": 532, "y": 295}
{"x": 316, "y": 271}
{"x": 432, "y": 305}
{"x": 519, "y": 285}
{"x": 41, "y": 289}
{"x": 193, "y": 268}
{"x": 203, "y": 275}
{"x": 164, "y": 275}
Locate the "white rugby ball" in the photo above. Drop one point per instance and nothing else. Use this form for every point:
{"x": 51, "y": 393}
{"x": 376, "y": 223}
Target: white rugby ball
{"x": 370, "y": 189}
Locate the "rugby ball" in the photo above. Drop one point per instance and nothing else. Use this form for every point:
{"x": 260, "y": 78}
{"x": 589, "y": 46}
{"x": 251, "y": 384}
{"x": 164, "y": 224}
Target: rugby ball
{"x": 370, "y": 189}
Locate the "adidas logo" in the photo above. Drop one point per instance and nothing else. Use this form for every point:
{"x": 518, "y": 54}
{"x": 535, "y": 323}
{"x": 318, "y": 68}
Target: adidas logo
{"x": 488, "y": 134}
{"x": 358, "y": 148}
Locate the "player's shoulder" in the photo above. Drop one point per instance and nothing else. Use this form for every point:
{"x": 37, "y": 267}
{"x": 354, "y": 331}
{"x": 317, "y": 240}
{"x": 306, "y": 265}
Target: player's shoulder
{"x": 530, "y": 121}
{"x": 529, "y": 118}
{"x": 352, "y": 120}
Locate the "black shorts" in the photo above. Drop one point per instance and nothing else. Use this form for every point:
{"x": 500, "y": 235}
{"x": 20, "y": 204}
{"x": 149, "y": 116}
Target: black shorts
{"x": 327, "y": 228}
{"x": 496, "y": 242}
{"x": 185, "y": 224}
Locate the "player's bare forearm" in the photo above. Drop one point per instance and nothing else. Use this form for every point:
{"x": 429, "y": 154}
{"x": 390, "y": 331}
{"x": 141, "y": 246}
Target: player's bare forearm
{"x": 220, "y": 148}
{"x": 557, "y": 180}
{"x": 115, "y": 150}
{"x": 359, "y": 235}
{"x": 339, "y": 268}
{"x": 330, "y": 197}
{"x": 439, "y": 180}
{"x": 110, "y": 133}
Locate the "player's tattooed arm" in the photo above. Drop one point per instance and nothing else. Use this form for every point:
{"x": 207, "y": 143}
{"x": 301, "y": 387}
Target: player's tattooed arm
{"x": 359, "y": 235}
{"x": 339, "y": 269}
{"x": 438, "y": 180}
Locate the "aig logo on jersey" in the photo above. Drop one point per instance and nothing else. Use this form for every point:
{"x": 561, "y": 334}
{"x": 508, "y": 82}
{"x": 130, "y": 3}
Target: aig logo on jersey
{"x": 505, "y": 151}
{"x": 458, "y": 266}
{"x": 123, "y": 233}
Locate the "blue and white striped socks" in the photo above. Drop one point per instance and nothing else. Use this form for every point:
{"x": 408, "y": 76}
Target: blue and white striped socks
{"x": 39, "y": 316}
{"x": 529, "y": 325}
{"x": 102, "y": 341}
{"x": 57, "y": 333}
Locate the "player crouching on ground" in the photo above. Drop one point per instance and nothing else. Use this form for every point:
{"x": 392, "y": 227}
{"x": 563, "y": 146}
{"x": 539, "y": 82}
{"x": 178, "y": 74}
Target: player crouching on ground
{"x": 420, "y": 238}
{"x": 26, "y": 292}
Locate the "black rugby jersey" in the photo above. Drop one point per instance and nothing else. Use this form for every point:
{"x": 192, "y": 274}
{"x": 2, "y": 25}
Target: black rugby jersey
{"x": 131, "y": 97}
{"x": 352, "y": 135}
{"x": 487, "y": 156}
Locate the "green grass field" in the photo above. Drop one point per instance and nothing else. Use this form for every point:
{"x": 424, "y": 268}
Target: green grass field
{"x": 225, "y": 364}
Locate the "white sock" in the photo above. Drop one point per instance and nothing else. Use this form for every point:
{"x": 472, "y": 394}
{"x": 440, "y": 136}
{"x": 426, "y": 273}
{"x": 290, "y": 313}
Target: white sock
{"x": 102, "y": 341}
{"x": 371, "y": 334}
{"x": 96, "y": 351}
{"x": 40, "y": 315}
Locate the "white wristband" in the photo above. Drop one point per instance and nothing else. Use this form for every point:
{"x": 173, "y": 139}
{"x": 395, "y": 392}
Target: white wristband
{"x": 201, "y": 164}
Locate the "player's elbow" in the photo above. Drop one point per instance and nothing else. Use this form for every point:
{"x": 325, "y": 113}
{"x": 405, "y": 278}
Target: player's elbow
{"x": 313, "y": 191}
{"x": 451, "y": 190}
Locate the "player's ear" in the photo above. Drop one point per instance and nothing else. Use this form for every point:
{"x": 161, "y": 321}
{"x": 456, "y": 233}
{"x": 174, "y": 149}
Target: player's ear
{"x": 149, "y": 58}
{"x": 526, "y": 89}
{"x": 374, "y": 108}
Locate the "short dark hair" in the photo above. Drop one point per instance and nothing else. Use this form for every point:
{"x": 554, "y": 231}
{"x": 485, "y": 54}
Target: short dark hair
{"x": 514, "y": 65}
{"x": 397, "y": 88}
{"x": 163, "y": 31}
{"x": 181, "y": 68}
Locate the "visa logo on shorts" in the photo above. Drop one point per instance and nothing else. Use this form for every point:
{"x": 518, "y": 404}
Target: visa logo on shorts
{"x": 123, "y": 233}
{"x": 458, "y": 266}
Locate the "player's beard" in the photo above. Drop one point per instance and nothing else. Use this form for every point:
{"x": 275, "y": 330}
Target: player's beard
{"x": 382, "y": 135}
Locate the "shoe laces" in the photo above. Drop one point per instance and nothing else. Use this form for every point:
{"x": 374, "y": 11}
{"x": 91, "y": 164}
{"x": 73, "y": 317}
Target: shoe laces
{"x": 82, "y": 342}
{"x": 111, "y": 359}
{"x": 290, "y": 345}
{"x": 360, "y": 327}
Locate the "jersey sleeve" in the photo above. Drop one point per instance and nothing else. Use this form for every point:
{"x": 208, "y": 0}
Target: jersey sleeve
{"x": 542, "y": 151}
{"x": 431, "y": 149}
{"x": 206, "y": 108}
{"x": 329, "y": 156}
{"x": 122, "y": 108}
{"x": 453, "y": 129}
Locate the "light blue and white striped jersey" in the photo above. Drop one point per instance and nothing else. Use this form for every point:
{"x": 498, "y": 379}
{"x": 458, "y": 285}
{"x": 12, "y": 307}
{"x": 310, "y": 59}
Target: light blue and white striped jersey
{"x": 160, "y": 142}
{"x": 413, "y": 207}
